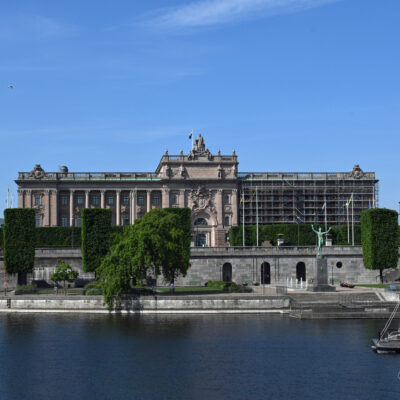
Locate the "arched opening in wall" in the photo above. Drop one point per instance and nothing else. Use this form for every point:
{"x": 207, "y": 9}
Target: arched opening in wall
{"x": 200, "y": 221}
{"x": 265, "y": 273}
{"x": 201, "y": 240}
{"x": 301, "y": 271}
{"x": 227, "y": 272}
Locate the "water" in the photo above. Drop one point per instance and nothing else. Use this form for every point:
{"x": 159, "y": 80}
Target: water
{"x": 53, "y": 356}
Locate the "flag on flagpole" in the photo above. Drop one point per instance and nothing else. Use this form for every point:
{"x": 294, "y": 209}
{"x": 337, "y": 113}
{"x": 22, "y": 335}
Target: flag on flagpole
{"x": 191, "y": 135}
{"x": 323, "y": 208}
{"x": 369, "y": 204}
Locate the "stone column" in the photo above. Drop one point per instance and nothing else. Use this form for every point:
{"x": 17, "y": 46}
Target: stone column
{"x": 54, "y": 210}
{"x": 182, "y": 198}
{"x": 235, "y": 216}
{"x": 47, "y": 209}
{"x": 118, "y": 207}
{"x": 102, "y": 198}
{"x": 21, "y": 194}
{"x": 29, "y": 198}
{"x": 71, "y": 207}
{"x": 87, "y": 192}
{"x": 165, "y": 198}
{"x": 220, "y": 209}
{"x": 148, "y": 204}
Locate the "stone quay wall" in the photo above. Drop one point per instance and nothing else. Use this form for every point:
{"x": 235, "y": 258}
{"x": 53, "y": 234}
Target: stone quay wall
{"x": 245, "y": 264}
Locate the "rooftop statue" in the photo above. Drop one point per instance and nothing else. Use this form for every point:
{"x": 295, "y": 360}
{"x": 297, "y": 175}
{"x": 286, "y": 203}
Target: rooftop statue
{"x": 199, "y": 144}
{"x": 320, "y": 235}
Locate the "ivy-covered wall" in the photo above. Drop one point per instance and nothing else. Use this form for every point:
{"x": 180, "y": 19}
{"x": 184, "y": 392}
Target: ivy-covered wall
{"x": 58, "y": 236}
{"x": 96, "y": 237}
{"x": 19, "y": 240}
{"x": 380, "y": 238}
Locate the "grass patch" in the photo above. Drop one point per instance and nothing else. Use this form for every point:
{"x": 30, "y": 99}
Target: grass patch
{"x": 374, "y": 285}
{"x": 191, "y": 289}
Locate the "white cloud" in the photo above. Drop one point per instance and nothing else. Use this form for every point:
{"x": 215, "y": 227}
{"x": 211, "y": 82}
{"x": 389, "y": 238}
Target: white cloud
{"x": 205, "y": 13}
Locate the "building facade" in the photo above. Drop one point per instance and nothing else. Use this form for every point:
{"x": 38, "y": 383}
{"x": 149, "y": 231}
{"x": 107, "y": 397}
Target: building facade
{"x": 210, "y": 184}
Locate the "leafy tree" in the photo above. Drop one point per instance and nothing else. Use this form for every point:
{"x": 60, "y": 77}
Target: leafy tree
{"x": 379, "y": 236}
{"x": 159, "y": 240}
{"x": 64, "y": 273}
{"x": 19, "y": 241}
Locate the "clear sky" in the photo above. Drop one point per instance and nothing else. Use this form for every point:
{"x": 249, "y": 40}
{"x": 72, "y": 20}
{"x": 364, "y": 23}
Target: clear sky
{"x": 292, "y": 85}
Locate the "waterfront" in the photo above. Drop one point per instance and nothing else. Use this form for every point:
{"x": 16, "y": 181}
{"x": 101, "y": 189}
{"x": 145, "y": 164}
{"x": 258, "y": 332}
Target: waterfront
{"x": 192, "y": 357}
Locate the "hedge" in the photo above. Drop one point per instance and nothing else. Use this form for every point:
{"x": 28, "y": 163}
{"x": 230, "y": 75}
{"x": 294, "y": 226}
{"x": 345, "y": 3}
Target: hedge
{"x": 58, "y": 236}
{"x": 19, "y": 240}
{"x": 96, "y": 237}
{"x": 294, "y": 234}
{"x": 1, "y": 237}
{"x": 380, "y": 238}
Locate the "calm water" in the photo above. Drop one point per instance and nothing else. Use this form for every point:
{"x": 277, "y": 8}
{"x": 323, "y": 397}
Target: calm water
{"x": 191, "y": 357}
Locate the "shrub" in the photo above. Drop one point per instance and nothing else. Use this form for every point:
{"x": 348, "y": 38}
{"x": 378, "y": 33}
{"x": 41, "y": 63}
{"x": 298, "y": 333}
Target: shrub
{"x": 58, "y": 236}
{"x": 19, "y": 241}
{"x": 1, "y": 237}
{"x": 96, "y": 237}
{"x": 94, "y": 288}
{"x": 25, "y": 289}
{"x": 380, "y": 239}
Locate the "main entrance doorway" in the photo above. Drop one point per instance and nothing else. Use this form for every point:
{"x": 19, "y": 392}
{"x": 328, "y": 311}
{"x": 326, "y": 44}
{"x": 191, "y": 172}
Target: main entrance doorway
{"x": 227, "y": 272}
{"x": 265, "y": 273}
{"x": 301, "y": 271}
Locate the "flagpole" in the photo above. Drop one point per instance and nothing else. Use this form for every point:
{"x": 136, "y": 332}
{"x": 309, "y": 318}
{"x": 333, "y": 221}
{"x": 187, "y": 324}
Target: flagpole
{"x": 348, "y": 226}
{"x": 8, "y": 197}
{"x": 326, "y": 218}
{"x": 257, "y": 213}
{"x": 243, "y": 218}
{"x": 352, "y": 219}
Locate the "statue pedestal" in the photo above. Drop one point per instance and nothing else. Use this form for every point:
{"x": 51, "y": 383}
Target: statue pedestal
{"x": 321, "y": 278}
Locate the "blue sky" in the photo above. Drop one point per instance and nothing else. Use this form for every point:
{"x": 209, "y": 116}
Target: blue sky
{"x": 292, "y": 85}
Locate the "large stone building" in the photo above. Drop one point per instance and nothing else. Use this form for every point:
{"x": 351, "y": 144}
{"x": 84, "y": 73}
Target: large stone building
{"x": 209, "y": 184}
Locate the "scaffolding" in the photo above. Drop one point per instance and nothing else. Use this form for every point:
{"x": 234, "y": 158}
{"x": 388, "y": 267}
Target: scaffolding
{"x": 319, "y": 198}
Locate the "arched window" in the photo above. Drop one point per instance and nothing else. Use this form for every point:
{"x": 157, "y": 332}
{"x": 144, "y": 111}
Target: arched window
{"x": 200, "y": 221}
{"x": 226, "y": 221}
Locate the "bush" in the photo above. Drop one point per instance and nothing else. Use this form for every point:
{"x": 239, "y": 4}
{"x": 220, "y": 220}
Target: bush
{"x": 25, "y": 289}
{"x": 96, "y": 237}
{"x": 1, "y": 237}
{"x": 292, "y": 233}
{"x": 94, "y": 288}
{"x": 58, "y": 236}
{"x": 19, "y": 240}
{"x": 380, "y": 239}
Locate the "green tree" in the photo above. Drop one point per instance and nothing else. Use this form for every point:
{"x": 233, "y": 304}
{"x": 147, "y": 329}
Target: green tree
{"x": 64, "y": 273}
{"x": 379, "y": 237}
{"x": 19, "y": 241}
{"x": 159, "y": 240}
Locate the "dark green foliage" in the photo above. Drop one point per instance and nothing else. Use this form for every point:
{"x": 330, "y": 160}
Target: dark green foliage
{"x": 292, "y": 233}
{"x": 159, "y": 240}
{"x": 1, "y": 237}
{"x": 26, "y": 289}
{"x": 380, "y": 238}
{"x": 94, "y": 289}
{"x": 19, "y": 240}
{"x": 58, "y": 236}
{"x": 96, "y": 237}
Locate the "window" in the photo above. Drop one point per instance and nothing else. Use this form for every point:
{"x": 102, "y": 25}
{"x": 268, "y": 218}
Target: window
{"x": 126, "y": 221}
{"x": 200, "y": 221}
{"x": 140, "y": 200}
{"x": 95, "y": 200}
{"x": 79, "y": 222}
{"x": 226, "y": 199}
{"x": 64, "y": 221}
{"x": 110, "y": 200}
{"x": 226, "y": 221}
{"x": 174, "y": 199}
{"x": 64, "y": 200}
{"x": 125, "y": 200}
{"x": 156, "y": 200}
{"x": 38, "y": 221}
{"x": 79, "y": 200}
{"x": 38, "y": 200}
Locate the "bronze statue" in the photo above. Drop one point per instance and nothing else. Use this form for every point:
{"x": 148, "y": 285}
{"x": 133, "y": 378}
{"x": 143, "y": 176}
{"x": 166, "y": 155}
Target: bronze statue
{"x": 320, "y": 235}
